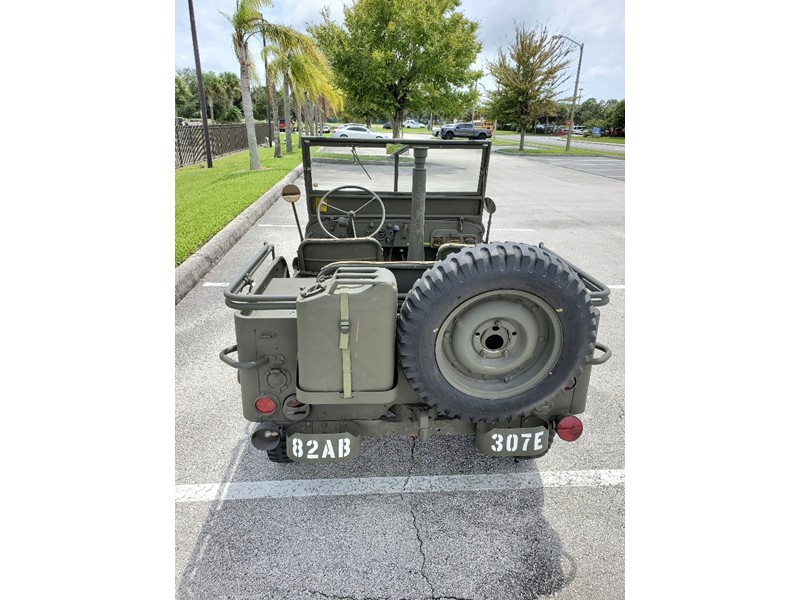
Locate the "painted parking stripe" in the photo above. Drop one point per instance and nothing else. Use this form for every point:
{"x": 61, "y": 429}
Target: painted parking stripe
{"x": 303, "y": 488}
{"x": 276, "y": 225}
{"x": 213, "y": 284}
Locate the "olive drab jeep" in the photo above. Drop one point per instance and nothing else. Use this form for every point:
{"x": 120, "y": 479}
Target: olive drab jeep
{"x": 398, "y": 316}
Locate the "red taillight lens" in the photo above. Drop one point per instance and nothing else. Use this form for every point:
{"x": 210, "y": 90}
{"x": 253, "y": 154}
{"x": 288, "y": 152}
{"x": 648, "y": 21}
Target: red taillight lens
{"x": 569, "y": 428}
{"x": 266, "y": 406}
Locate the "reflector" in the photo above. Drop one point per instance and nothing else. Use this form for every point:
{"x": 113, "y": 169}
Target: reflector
{"x": 266, "y": 406}
{"x": 569, "y": 428}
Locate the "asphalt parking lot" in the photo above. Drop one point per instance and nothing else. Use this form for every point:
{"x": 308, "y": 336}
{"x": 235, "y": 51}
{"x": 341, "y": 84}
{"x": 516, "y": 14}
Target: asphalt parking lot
{"x": 409, "y": 520}
{"x": 596, "y": 165}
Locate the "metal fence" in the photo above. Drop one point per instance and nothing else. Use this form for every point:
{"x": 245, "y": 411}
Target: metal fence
{"x": 190, "y": 147}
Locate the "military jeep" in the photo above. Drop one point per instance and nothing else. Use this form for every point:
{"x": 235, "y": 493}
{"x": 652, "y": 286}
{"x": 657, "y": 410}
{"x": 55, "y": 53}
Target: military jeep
{"x": 399, "y": 317}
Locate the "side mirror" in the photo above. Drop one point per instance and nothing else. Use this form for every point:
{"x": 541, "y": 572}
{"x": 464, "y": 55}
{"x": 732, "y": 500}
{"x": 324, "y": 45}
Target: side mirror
{"x": 291, "y": 193}
{"x": 489, "y": 206}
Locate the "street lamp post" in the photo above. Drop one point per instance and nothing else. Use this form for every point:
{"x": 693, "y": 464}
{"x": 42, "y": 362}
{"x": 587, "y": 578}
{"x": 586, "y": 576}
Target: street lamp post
{"x": 575, "y": 93}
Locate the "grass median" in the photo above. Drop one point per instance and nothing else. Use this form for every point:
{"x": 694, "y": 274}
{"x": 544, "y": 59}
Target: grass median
{"x": 206, "y": 200}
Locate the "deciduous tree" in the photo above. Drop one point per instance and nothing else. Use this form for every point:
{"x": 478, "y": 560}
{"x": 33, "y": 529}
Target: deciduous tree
{"x": 392, "y": 57}
{"x": 528, "y": 76}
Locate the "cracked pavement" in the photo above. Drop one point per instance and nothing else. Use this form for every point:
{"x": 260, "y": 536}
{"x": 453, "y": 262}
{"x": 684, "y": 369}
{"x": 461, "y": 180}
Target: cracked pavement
{"x": 505, "y": 544}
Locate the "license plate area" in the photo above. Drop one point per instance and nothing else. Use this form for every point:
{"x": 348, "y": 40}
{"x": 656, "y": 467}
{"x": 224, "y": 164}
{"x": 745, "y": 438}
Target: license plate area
{"x": 517, "y": 441}
{"x": 314, "y": 443}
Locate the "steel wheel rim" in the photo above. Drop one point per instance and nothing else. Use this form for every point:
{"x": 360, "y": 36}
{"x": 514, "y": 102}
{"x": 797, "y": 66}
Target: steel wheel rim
{"x": 499, "y": 344}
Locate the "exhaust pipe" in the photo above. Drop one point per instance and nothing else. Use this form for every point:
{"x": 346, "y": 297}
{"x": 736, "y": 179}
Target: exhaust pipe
{"x": 266, "y": 436}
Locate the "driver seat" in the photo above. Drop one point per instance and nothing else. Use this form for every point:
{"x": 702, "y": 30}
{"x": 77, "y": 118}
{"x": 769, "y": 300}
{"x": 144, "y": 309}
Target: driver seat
{"x": 315, "y": 253}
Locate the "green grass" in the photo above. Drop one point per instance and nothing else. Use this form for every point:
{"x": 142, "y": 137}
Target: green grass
{"x": 347, "y": 157}
{"x": 541, "y": 150}
{"x": 531, "y": 147}
{"x": 206, "y": 200}
{"x": 529, "y": 136}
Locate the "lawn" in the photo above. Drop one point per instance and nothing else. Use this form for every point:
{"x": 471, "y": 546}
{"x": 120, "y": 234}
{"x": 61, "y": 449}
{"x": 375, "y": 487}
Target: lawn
{"x": 508, "y": 146}
{"x": 206, "y": 200}
{"x": 530, "y": 136}
{"x": 555, "y": 150}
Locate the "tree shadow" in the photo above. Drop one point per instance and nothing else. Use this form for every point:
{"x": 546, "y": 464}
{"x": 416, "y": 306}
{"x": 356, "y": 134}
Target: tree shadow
{"x": 410, "y": 545}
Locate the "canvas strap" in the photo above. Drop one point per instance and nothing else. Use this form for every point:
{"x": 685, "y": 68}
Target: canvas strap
{"x": 344, "y": 344}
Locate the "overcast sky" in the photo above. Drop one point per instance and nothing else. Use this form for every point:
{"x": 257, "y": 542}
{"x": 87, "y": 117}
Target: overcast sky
{"x": 598, "y": 24}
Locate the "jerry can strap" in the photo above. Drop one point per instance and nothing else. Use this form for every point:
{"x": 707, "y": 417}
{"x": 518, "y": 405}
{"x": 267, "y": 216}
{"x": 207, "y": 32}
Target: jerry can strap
{"x": 344, "y": 345}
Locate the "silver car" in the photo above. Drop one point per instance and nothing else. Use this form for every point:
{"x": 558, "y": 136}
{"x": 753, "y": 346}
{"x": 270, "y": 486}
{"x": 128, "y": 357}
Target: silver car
{"x": 357, "y": 131}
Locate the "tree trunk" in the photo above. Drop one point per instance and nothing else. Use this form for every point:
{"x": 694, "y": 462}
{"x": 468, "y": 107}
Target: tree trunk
{"x": 310, "y": 124}
{"x": 249, "y": 123}
{"x": 269, "y": 115}
{"x": 287, "y": 115}
{"x": 298, "y": 111}
{"x": 397, "y": 124}
{"x": 522, "y": 138}
{"x": 275, "y": 126}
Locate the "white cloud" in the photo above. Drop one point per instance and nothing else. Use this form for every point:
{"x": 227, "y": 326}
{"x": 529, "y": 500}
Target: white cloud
{"x": 598, "y": 24}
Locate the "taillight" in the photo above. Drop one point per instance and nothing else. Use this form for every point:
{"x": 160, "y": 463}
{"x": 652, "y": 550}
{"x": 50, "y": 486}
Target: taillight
{"x": 569, "y": 428}
{"x": 266, "y": 406}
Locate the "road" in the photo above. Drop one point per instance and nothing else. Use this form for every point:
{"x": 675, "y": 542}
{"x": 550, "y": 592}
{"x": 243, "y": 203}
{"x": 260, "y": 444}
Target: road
{"x": 407, "y": 520}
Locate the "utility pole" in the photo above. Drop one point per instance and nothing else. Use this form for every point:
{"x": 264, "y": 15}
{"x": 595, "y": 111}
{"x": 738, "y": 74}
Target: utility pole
{"x": 200, "y": 88}
{"x": 575, "y": 93}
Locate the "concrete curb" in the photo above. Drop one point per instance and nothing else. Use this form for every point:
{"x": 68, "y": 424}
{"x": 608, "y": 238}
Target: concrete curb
{"x": 194, "y": 268}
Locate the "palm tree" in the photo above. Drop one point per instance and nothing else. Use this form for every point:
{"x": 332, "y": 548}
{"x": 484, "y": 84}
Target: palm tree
{"x": 246, "y": 21}
{"x": 229, "y": 83}
{"x": 213, "y": 90}
{"x": 181, "y": 93}
{"x": 272, "y": 76}
{"x": 306, "y": 75}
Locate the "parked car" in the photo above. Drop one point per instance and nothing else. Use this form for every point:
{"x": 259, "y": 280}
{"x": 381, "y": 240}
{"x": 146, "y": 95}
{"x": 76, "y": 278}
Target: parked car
{"x": 578, "y": 130}
{"x": 343, "y": 125}
{"x": 282, "y": 124}
{"x": 387, "y": 125}
{"x": 411, "y": 123}
{"x": 357, "y": 131}
{"x": 326, "y": 128}
{"x": 465, "y": 130}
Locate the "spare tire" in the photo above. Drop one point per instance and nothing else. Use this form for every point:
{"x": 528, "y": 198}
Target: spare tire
{"x": 493, "y": 331}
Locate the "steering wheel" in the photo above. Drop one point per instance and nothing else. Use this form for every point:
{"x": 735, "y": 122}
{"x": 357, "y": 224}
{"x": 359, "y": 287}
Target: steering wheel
{"x": 351, "y": 214}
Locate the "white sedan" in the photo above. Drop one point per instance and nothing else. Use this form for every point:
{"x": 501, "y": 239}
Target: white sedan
{"x": 357, "y": 131}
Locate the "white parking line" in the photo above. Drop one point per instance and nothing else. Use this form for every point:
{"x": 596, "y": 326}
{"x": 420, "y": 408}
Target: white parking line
{"x": 276, "y": 225}
{"x": 616, "y": 287}
{"x": 211, "y": 284}
{"x": 507, "y": 229}
{"x": 302, "y": 488}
